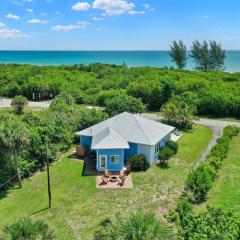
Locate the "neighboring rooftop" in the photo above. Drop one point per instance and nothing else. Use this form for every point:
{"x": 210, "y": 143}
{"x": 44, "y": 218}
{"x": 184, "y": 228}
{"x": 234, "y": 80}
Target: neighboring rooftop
{"x": 126, "y": 127}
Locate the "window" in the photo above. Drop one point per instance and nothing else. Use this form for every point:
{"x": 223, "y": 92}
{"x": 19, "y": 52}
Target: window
{"x": 114, "y": 159}
{"x": 157, "y": 147}
{"x": 103, "y": 161}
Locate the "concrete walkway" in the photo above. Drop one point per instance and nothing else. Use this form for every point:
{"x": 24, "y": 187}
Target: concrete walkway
{"x": 6, "y": 103}
{"x": 216, "y": 126}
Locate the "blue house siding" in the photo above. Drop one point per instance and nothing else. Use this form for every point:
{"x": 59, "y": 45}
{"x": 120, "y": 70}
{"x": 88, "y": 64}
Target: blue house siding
{"x": 108, "y": 153}
{"x": 131, "y": 151}
{"x": 165, "y": 140}
{"x": 86, "y": 142}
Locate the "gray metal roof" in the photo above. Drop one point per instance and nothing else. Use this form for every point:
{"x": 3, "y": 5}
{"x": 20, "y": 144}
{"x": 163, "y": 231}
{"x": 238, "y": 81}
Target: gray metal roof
{"x": 131, "y": 127}
{"x": 108, "y": 138}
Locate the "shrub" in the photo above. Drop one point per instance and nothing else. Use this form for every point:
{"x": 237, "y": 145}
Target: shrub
{"x": 199, "y": 182}
{"x": 212, "y": 224}
{"x": 164, "y": 154}
{"x": 138, "y": 226}
{"x": 25, "y": 228}
{"x": 231, "y": 131}
{"x": 215, "y": 162}
{"x": 19, "y": 103}
{"x": 124, "y": 103}
{"x": 138, "y": 162}
{"x": 183, "y": 209}
{"x": 173, "y": 145}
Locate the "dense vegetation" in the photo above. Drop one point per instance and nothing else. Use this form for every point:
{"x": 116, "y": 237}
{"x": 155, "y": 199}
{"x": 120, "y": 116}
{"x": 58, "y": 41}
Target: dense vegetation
{"x": 214, "y": 93}
{"x": 26, "y": 140}
{"x": 210, "y": 225}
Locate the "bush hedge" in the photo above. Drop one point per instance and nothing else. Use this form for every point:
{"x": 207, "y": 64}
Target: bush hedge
{"x": 138, "y": 162}
{"x": 212, "y": 224}
{"x": 200, "y": 180}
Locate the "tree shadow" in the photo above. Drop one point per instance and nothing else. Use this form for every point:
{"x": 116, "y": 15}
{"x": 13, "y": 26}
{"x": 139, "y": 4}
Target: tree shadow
{"x": 4, "y": 192}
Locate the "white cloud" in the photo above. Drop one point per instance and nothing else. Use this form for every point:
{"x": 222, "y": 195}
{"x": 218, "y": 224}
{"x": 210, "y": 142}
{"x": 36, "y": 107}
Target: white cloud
{"x": 28, "y": 1}
{"x": 37, "y": 21}
{"x": 148, "y": 7}
{"x": 11, "y": 33}
{"x": 132, "y": 12}
{"x": 113, "y": 7}
{"x": 70, "y": 27}
{"x": 81, "y": 6}
{"x": 30, "y": 10}
{"x": 17, "y": 3}
{"x": 2, "y": 24}
{"x": 12, "y": 16}
{"x": 97, "y": 19}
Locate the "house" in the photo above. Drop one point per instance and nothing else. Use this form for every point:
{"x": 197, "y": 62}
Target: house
{"x": 116, "y": 139}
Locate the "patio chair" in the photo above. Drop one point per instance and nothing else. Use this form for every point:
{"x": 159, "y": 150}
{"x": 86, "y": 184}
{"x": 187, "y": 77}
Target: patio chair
{"x": 121, "y": 181}
{"x": 128, "y": 170}
{"x": 107, "y": 174}
{"x": 104, "y": 181}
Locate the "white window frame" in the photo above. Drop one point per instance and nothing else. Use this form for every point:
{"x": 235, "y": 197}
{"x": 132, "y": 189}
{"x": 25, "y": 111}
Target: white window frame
{"x": 118, "y": 157}
{"x": 100, "y": 159}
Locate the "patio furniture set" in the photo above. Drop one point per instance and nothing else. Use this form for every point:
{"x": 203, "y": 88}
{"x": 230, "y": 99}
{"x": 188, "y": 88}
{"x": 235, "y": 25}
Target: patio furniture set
{"x": 119, "y": 179}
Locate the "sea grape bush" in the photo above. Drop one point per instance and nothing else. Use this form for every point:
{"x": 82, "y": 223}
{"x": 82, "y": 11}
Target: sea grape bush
{"x": 138, "y": 162}
{"x": 215, "y": 93}
{"x": 200, "y": 180}
{"x": 211, "y": 224}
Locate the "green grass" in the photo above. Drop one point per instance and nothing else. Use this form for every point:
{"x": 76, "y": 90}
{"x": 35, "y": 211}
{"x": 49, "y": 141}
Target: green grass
{"x": 226, "y": 188}
{"x": 78, "y": 207}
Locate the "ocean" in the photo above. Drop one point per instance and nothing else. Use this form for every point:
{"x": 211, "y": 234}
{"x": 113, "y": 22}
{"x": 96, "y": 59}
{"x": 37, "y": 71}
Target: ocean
{"x": 131, "y": 58}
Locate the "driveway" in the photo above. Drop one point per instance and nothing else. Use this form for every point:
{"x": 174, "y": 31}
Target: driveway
{"x": 6, "y": 103}
{"x": 217, "y": 127}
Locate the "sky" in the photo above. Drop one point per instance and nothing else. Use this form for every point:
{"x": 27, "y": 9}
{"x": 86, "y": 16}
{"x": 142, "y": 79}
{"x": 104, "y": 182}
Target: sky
{"x": 116, "y": 24}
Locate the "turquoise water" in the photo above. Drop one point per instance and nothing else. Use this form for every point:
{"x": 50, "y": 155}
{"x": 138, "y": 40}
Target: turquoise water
{"x": 131, "y": 58}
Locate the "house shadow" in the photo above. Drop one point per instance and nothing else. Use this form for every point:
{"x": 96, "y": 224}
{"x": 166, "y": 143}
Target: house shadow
{"x": 89, "y": 164}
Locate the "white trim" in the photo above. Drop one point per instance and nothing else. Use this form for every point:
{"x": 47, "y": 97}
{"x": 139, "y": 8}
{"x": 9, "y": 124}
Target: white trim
{"x": 100, "y": 156}
{"x": 115, "y": 156}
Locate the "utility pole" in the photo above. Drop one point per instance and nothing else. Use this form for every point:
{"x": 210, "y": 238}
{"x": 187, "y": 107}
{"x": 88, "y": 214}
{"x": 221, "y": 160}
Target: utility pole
{"x": 48, "y": 179}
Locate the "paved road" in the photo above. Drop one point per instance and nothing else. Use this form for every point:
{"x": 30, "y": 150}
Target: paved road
{"x": 6, "y": 102}
{"x": 217, "y": 127}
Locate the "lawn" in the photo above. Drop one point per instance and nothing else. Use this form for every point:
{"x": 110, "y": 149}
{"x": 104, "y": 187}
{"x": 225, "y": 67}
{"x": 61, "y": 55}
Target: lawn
{"x": 78, "y": 206}
{"x": 226, "y": 188}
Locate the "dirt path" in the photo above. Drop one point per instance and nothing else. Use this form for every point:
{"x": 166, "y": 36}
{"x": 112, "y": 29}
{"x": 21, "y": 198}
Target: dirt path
{"x": 6, "y": 103}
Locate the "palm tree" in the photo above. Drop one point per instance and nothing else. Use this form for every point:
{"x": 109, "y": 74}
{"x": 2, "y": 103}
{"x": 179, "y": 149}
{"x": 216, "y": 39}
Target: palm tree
{"x": 25, "y": 228}
{"x": 14, "y": 136}
{"x": 19, "y": 102}
{"x": 139, "y": 226}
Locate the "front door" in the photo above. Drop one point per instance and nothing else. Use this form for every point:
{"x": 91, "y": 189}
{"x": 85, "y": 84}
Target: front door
{"x": 103, "y": 162}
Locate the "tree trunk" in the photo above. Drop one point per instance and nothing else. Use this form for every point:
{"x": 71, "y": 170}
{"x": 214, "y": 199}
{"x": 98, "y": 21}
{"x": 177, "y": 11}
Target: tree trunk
{"x": 18, "y": 171}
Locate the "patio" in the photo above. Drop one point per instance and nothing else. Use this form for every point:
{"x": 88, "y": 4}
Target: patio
{"x": 114, "y": 181}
